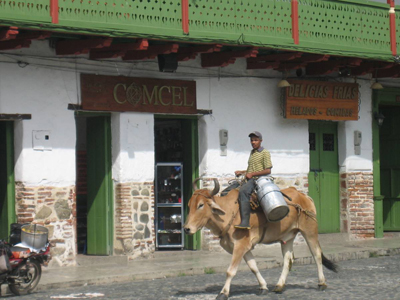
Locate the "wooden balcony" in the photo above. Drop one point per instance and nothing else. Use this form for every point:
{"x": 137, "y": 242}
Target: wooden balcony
{"x": 346, "y": 28}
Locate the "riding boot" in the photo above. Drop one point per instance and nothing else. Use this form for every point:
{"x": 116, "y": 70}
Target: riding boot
{"x": 244, "y": 215}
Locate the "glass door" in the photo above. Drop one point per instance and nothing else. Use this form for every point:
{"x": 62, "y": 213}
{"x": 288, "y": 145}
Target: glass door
{"x": 169, "y": 208}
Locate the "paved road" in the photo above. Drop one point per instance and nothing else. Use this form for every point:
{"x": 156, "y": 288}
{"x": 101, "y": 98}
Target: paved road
{"x": 373, "y": 278}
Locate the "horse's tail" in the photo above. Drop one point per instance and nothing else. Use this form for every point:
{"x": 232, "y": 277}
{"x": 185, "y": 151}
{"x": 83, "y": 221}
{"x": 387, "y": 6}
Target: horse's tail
{"x": 330, "y": 265}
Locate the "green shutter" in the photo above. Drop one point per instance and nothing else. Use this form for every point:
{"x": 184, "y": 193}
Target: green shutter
{"x": 190, "y": 139}
{"x": 390, "y": 167}
{"x": 7, "y": 182}
{"x": 324, "y": 175}
{"x": 100, "y": 191}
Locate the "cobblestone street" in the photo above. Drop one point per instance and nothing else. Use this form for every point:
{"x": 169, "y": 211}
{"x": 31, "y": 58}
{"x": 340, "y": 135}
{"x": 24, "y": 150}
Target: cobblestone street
{"x": 373, "y": 278}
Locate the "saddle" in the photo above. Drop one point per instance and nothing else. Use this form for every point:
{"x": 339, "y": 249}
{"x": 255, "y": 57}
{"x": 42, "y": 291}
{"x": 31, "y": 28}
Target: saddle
{"x": 254, "y": 203}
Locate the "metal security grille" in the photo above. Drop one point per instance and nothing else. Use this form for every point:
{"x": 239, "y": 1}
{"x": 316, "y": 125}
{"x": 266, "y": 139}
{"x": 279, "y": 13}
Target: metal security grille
{"x": 328, "y": 141}
{"x": 311, "y": 141}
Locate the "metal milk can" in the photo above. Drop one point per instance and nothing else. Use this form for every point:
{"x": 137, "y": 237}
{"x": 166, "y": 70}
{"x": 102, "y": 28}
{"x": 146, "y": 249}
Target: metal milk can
{"x": 271, "y": 199}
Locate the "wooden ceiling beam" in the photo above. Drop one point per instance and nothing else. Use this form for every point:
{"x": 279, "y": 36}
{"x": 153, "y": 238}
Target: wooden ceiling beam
{"x": 34, "y": 35}
{"x": 327, "y": 67}
{"x": 151, "y": 52}
{"x": 370, "y": 67}
{"x": 117, "y": 50}
{"x": 9, "y": 33}
{"x": 14, "y": 44}
{"x": 310, "y": 58}
{"x": 188, "y": 53}
{"x": 200, "y": 49}
{"x": 262, "y": 65}
{"x": 387, "y": 73}
{"x": 76, "y": 47}
{"x": 276, "y": 57}
{"x": 222, "y": 59}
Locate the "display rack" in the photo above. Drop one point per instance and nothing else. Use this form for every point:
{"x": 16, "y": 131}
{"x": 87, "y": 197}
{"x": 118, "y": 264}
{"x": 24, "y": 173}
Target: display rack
{"x": 169, "y": 208}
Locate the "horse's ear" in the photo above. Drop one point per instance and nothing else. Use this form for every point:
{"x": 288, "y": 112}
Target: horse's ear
{"x": 215, "y": 208}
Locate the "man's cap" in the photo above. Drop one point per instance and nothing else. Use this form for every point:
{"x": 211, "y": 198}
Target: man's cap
{"x": 256, "y": 133}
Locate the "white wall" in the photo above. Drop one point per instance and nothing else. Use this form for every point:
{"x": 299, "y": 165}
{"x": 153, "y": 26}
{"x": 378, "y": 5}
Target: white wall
{"x": 133, "y": 147}
{"x": 45, "y": 95}
{"x": 348, "y": 160}
{"x": 240, "y": 104}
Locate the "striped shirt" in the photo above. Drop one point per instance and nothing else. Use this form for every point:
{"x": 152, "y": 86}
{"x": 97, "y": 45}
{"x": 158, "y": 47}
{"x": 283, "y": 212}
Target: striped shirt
{"x": 260, "y": 159}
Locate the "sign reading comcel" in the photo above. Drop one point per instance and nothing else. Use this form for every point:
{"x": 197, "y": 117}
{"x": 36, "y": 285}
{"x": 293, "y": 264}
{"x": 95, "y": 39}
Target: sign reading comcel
{"x": 321, "y": 100}
{"x": 111, "y": 93}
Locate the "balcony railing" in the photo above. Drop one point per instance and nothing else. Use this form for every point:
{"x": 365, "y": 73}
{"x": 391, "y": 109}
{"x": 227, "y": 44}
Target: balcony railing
{"x": 355, "y": 28}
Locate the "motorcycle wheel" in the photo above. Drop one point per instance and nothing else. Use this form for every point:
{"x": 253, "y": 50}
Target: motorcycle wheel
{"x": 28, "y": 278}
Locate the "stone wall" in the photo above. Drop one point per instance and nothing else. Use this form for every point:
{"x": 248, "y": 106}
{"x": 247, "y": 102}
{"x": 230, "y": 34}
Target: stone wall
{"x": 211, "y": 242}
{"x": 357, "y": 205}
{"x": 54, "y": 208}
{"x": 134, "y": 219}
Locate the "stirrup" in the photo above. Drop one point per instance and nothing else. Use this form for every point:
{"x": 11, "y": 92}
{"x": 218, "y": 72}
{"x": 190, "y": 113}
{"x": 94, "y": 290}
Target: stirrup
{"x": 242, "y": 227}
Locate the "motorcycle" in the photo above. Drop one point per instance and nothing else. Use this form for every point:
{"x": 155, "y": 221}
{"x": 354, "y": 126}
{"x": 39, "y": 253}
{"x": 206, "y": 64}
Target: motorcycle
{"x": 21, "y": 266}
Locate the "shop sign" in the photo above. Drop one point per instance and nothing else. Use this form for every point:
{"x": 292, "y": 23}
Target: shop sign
{"x": 321, "y": 100}
{"x": 112, "y": 93}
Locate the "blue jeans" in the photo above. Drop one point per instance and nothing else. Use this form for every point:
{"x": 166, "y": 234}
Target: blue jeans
{"x": 246, "y": 190}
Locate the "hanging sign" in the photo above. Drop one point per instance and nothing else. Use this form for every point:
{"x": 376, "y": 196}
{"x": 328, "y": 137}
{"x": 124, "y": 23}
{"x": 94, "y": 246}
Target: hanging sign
{"x": 321, "y": 100}
{"x": 112, "y": 93}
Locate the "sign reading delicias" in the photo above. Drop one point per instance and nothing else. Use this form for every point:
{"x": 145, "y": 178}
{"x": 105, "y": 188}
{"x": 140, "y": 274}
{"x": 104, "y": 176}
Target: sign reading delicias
{"x": 111, "y": 93}
{"x": 321, "y": 100}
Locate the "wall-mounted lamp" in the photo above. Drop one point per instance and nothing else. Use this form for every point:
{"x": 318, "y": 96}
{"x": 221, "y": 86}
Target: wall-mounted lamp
{"x": 283, "y": 83}
{"x": 376, "y": 86}
{"x": 379, "y": 118}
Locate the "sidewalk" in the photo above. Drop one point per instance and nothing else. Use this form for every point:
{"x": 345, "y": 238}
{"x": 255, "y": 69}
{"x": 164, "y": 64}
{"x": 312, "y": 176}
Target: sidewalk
{"x": 101, "y": 270}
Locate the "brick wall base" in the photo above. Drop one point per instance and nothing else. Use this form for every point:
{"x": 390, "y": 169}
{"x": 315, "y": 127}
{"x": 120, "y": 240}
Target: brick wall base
{"x": 54, "y": 208}
{"x": 134, "y": 219}
{"x": 357, "y": 205}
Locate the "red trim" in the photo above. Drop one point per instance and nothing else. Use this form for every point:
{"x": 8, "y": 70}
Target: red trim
{"x": 295, "y": 21}
{"x": 185, "y": 16}
{"x": 54, "y": 11}
{"x": 392, "y": 20}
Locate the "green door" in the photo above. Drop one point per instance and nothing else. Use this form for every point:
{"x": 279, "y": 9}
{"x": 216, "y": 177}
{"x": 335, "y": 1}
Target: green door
{"x": 323, "y": 177}
{"x": 100, "y": 191}
{"x": 191, "y": 171}
{"x": 389, "y": 137}
{"x": 7, "y": 185}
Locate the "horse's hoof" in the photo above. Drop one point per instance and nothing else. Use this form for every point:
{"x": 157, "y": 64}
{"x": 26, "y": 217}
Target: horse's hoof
{"x": 278, "y": 289}
{"x": 222, "y": 297}
{"x": 262, "y": 292}
{"x": 322, "y": 287}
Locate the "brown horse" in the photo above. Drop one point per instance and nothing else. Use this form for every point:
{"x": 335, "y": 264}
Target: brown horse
{"x": 220, "y": 214}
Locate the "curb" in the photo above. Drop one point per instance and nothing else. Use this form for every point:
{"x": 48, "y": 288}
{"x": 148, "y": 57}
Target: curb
{"x": 262, "y": 264}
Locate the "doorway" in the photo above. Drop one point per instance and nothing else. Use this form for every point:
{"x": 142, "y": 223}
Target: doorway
{"x": 94, "y": 189}
{"x": 7, "y": 182}
{"x": 176, "y": 140}
{"x": 323, "y": 177}
{"x": 389, "y": 138}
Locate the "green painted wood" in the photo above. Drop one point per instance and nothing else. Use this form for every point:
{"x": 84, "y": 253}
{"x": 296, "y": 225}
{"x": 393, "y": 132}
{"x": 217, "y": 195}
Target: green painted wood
{"x": 378, "y": 198}
{"x": 336, "y": 27}
{"x": 100, "y": 187}
{"x": 323, "y": 177}
{"x": 191, "y": 172}
{"x": 390, "y": 167}
{"x": 7, "y": 181}
{"x": 25, "y": 11}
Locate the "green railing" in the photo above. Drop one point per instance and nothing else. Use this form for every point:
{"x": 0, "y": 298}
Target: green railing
{"x": 339, "y": 27}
